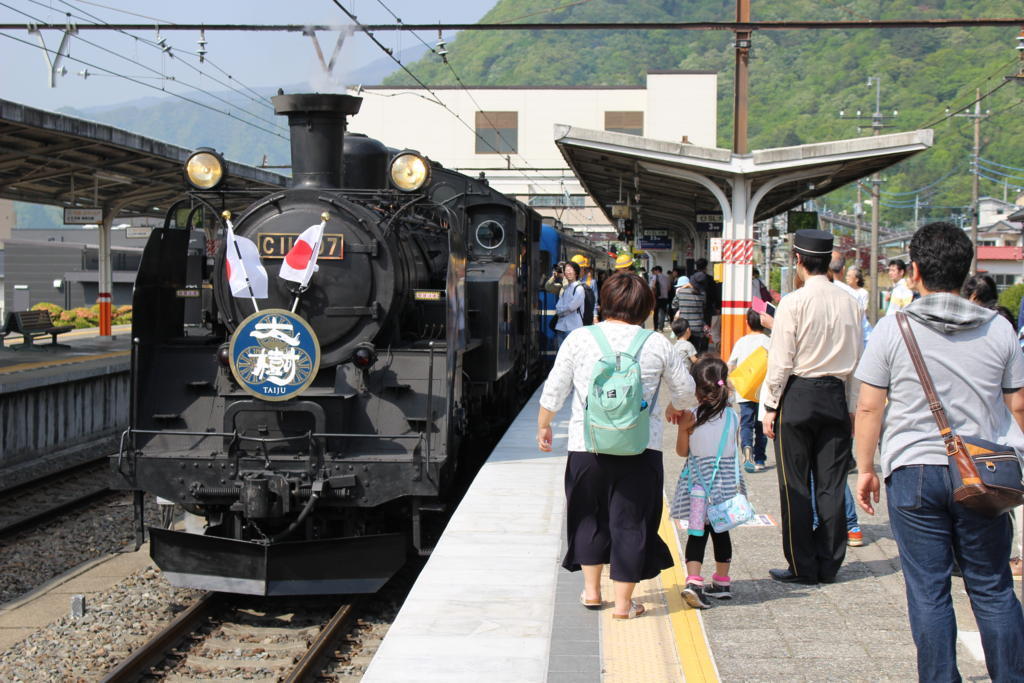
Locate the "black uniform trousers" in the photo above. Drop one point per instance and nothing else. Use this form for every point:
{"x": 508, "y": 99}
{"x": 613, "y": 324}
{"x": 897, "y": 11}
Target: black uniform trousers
{"x": 812, "y": 436}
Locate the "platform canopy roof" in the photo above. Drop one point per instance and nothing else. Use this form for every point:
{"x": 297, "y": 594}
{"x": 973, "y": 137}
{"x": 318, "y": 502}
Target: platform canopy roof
{"x": 50, "y": 158}
{"x": 667, "y": 175}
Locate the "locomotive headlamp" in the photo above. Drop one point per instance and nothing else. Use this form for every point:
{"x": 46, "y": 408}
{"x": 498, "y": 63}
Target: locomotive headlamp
{"x": 204, "y": 169}
{"x": 364, "y": 357}
{"x": 409, "y": 171}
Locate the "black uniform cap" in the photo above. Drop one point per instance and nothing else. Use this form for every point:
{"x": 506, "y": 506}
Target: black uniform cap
{"x": 813, "y": 242}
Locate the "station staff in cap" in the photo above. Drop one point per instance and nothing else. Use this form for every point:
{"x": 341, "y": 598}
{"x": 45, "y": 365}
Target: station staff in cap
{"x": 810, "y": 394}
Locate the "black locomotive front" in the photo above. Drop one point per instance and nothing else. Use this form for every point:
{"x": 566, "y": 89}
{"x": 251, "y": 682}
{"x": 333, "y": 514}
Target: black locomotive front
{"x": 323, "y": 492}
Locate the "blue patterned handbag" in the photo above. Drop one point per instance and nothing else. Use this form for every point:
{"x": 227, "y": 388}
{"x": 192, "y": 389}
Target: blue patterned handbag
{"x": 733, "y": 512}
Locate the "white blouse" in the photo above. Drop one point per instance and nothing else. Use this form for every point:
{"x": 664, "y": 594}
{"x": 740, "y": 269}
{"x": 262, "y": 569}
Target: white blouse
{"x": 575, "y": 362}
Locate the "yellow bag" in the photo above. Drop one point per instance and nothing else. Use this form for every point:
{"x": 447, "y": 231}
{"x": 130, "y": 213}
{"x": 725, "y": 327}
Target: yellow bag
{"x": 748, "y": 375}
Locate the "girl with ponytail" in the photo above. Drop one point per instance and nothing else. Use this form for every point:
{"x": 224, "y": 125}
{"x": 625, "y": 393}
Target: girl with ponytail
{"x": 708, "y": 478}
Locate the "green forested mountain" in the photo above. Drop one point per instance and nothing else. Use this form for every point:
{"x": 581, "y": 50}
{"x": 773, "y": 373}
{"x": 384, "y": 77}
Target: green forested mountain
{"x": 799, "y": 79}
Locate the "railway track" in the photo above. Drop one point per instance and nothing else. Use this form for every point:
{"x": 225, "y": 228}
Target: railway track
{"x": 221, "y": 636}
{"x": 40, "y": 500}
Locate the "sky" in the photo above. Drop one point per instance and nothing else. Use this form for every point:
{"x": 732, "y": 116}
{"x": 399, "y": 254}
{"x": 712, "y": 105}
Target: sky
{"x": 256, "y": 60}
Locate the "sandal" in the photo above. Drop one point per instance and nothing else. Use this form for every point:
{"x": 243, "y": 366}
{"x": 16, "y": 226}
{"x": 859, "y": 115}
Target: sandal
{"x": 589, "y": 604}
{"x": 635, "y": 610}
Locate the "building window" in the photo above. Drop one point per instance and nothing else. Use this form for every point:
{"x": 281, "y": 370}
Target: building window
{"x": 497, "y": 132}
{"x": 631, "y": 122}
{"x": 1003, "y": 279}
{"x": 986, "y": 243}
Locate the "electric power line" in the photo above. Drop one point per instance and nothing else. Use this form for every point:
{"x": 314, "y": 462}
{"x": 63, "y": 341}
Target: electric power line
{"x": 256, "y": 97}
{"x": 151, "y": 69}
{"x": 921, "y": 189}
{"x": 143, "y": 83}
{"x": 996, "y": 163}
{"x": 434, "y": 96}
{"x": 953, "y": 113}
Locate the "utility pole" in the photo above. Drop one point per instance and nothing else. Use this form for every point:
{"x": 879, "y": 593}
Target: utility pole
{"x": 740, "y": 108}
{"x": 877, "y": 124}
{"x": 858, "y": 212}
{"x": 977, "y": 117}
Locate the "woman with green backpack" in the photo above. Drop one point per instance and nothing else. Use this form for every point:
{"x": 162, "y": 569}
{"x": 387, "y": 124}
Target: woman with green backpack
{"x": 614, "y": 475}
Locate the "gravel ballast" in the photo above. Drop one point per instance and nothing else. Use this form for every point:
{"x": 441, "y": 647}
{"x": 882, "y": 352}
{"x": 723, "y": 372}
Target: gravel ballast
{"x": 115, "y": 623}
{"x": 32, "y": 557}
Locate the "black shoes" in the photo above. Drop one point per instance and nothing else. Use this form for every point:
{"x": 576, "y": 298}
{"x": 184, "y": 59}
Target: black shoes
{"x": 718, "y": 591}
{"x": 694, "y": 596}
{"x": 786, "y": 576}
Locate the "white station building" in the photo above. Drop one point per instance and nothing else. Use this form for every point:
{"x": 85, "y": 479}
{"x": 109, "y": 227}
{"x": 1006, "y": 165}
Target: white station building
{"x": 508, "y": 132}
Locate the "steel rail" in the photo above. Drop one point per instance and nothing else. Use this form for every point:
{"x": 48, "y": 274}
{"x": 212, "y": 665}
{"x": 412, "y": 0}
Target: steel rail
{"x": 38, "y": 518}
{"x": 546, "y": 26}
{"x": 139, "y": 663}
{"x": 32, "y": 519}
{"x": 305, "y": 668}
{"x": 155, "y": 649}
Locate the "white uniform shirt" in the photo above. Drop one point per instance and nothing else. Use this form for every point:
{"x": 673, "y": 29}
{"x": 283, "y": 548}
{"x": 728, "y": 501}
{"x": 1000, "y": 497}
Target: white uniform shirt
{"x": 575, "y": 363}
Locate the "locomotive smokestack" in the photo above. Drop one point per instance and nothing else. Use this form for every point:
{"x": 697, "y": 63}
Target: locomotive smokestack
{"x": 317, "y": 124}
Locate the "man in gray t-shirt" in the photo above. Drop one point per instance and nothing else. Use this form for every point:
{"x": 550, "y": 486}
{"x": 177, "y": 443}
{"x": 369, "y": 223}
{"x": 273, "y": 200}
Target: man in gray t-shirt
{"x": 978, "y": 370}
{"x": 971, "y": 365}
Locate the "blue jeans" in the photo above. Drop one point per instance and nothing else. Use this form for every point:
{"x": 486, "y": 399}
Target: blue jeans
{"x": 750, "y": 431}
{"x": 848, "y": 505}
{"x": 930, "y": 531}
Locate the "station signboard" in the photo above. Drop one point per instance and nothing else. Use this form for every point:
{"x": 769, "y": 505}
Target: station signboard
{"x": 655, "y": 240}
{"x": 708, "y": 222}
{"x": 137, "y": 232}
{"x": 80, "y": 216}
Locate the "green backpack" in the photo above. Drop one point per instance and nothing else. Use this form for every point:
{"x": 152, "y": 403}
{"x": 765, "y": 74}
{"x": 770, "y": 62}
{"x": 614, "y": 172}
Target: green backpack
{"x": 616, "y": 419}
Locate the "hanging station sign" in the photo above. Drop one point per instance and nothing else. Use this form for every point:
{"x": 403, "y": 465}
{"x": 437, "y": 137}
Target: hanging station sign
{"x": 708, "y": 222}
{"x": 80, "y": 216}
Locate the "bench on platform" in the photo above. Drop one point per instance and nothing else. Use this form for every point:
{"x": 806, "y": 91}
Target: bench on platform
{"x": 32, "y": 324}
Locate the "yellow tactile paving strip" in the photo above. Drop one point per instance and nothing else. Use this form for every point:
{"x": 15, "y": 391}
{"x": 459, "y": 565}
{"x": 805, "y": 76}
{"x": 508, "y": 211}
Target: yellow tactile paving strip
{"x": 61, "y": 361}
{"x": 687, "y": 626}
{"x": 668, "y": 642}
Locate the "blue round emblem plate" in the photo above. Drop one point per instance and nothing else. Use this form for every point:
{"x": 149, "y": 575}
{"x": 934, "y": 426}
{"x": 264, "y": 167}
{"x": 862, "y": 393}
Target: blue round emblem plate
{"x": 275, "y": 354}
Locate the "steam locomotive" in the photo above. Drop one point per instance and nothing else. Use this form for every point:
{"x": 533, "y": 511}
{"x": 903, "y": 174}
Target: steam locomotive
{"x": 312, "y": 429}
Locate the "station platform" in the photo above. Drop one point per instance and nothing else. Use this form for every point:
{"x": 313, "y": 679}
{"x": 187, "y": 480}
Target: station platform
{"x": 44, "y": 363}
{"x": 494, "y": 604}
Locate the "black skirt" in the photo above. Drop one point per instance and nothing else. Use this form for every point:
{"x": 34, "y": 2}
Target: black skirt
{"x": 613, "y": 513}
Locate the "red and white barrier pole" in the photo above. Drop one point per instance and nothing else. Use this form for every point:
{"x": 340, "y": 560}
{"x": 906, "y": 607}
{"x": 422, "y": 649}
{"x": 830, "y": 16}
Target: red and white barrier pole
{"x": 106, "y": 315}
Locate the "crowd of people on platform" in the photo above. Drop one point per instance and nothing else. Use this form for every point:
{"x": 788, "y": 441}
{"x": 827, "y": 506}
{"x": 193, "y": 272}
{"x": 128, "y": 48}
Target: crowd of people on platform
{"x": 836, "y": 395}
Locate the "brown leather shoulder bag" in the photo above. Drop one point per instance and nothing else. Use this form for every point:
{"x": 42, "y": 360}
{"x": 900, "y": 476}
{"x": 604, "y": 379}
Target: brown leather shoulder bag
{"x": 986, "y": 476}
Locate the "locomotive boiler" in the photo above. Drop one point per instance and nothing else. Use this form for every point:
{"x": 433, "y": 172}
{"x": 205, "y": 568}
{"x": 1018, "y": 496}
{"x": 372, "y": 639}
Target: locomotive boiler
{"x": 310, "y": 428}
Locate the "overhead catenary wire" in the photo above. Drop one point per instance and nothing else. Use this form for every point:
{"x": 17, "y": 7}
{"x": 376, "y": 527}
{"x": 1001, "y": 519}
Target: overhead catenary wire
{"x": 434, "y": 97}
{"x": 253, "y": 97}
{"x": 155, "y": 71}
{"x": 147, "y": 85}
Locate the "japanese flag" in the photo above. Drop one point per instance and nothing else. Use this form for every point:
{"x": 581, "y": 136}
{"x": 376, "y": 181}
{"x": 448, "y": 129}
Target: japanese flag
{"x": 246, "y": 274}
{"x": 300, "y": 262}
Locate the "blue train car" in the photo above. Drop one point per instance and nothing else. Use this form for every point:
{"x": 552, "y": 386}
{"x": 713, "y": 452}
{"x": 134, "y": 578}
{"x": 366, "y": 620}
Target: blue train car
{"x": 556, "y": 246}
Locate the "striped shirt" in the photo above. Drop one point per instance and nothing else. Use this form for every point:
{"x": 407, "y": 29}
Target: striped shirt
{"x": 690, "y": 303}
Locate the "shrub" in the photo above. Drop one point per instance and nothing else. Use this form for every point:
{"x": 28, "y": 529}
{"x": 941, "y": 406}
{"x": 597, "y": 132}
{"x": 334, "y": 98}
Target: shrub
{"x": 86, "y": 317}
{"x": 54, "y": 309}
{"x": 1010, "y": 298}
